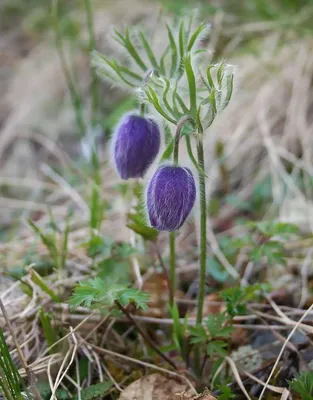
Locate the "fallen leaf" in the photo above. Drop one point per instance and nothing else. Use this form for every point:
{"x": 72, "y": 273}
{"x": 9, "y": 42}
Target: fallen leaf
{"x": 157, "y": 387}
{"x": 239, "y": 337}
{"x": 213, "y": 304}
{"x": 157, "y": 287}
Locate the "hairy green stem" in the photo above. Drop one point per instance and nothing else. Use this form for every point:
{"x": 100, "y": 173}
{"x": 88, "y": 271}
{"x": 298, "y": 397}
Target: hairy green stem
{"x": 203, "y": 234}
{"x": 202, "y": 199}
{"x": 172, "y": 268}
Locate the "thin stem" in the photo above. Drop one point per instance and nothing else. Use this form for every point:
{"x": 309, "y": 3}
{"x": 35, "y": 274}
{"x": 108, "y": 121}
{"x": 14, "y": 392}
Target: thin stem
{"x": 146, "y": 77}
{"x": 143, "y": 334}
{"x": 203, "y": 234}
{"x": 172, "y": 268}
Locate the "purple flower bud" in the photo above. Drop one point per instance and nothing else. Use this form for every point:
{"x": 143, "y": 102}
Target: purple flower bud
{"x": 171, "y": 195}
{"x": 136, "y": 145}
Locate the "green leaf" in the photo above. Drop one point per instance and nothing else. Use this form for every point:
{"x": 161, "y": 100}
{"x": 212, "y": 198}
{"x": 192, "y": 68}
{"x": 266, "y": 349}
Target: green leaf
{"x": 165, "y": 93}
{"x": 167, "y": 154}
{"x": 192, "y": 86}
{"x": 226, "y": 393}
{"x": 126, "y": 42}
{"x": 11, "y": 383}
{"x": 235, "y": 301}
{"x": 114, "y": 269}
{"x": 49, "y": 330}
{"x": 229, "y": 89}
{"x": 217, "y": 347}
{"x": 137, "y": 224}
{"x": 192, "y": 157}
{"x": 195, "y": 36}
{"x": 149, "y": 51}
{"x": 173, "y": 48}
{"x": 272, "y": 251}
{"x": 163, "y": 61}
{"x": 220, "y": 74}
{"x": 135, "y": 296}
{"x": 198, "y": 334}
{"x": 209, "y": 77}
{"x": 181, "y": 40}
{"x": 49, "y": 240}
{"x": 100, "y": 62}
{"x": 153, "y": 98}
{"x": 179, "y": 331}
{"x": 303, "y": 385}
{"x": 96, "y": 292}
{"x": 216, "y": 326}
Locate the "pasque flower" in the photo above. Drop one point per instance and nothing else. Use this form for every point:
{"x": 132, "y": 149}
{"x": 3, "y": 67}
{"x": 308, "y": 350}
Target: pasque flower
{"x": 136, "y": 144}
{"x": 170, "y": 197}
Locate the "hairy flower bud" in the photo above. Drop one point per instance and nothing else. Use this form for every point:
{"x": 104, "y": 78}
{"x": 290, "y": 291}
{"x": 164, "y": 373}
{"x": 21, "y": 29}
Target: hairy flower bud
{"x": 136, "y": 144}
{"x": 171, "y": 195}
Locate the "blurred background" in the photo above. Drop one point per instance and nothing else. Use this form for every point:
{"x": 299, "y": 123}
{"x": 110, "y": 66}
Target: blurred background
{"x": 258, "y": 154}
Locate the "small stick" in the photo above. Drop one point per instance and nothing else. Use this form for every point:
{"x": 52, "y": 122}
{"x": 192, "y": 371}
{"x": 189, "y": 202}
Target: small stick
{"x": 144, "y": 336}
{"x": 28, "y": 370}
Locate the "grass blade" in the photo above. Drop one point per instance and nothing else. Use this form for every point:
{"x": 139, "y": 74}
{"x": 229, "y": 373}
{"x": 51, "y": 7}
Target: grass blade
{"x": 36, "y": 278}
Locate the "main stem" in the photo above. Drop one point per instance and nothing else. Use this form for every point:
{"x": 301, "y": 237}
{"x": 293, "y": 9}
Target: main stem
{"x": 202, "y": 199}
{"x": 172, "y": 268}
{"x": 202, "y": 260}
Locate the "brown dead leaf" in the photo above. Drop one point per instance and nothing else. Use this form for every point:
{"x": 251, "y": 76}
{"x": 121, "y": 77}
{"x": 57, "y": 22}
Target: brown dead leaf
{"x": 157, "y": 387}
{"x": 213, "y": 304}
{"x": 239, "y": 337}
{"x": 157, "y": 287}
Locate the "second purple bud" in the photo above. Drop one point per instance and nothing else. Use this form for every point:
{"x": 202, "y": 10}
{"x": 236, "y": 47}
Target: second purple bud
{"x": 170, "y": 197}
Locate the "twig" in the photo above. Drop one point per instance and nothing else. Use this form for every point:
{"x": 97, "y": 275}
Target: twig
{"x": 283, "y": 348}
{"x": 237, "y": 376}
{"x": 28, "y": 370}
{"x": 144, "y": 336}
{"x": 143, "y": 363}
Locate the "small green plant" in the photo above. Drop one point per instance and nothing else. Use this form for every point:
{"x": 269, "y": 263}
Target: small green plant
{"x": 303, "y": 385}
{"x": 55, "y": 241}
{"x": 96, "y": 293}
{"x": 212, "y": 335}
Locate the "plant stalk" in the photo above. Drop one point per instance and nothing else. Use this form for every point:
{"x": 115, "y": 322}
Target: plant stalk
{"x": 203, "y": 232}
{"x": 202, "y": 259}
{"x": 172, "y": 268}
